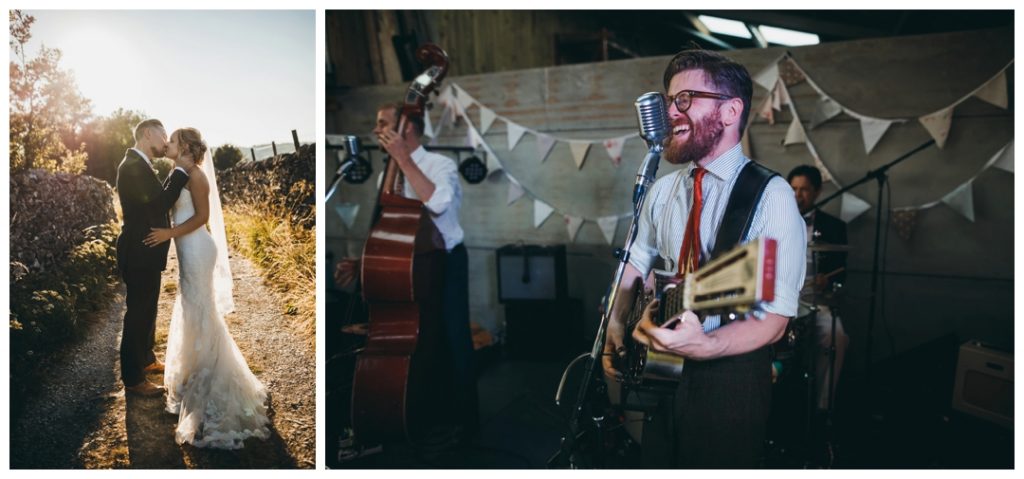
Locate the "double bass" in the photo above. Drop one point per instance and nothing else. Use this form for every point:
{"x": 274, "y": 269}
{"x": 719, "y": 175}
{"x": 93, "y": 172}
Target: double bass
{"x": 403, "y": 371}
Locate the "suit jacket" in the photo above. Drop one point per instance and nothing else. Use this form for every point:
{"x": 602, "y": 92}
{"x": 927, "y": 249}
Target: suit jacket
{"x": 145, "y": 204}
{"x": 832, "y": 231}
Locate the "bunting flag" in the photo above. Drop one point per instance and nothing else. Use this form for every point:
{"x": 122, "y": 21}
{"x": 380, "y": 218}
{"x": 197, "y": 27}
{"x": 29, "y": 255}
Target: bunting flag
{"x": 767, "y": 77}
{"x": 825, "y": 110}
{"x": 904, "y": 220}
{"x": 614, "y": 148}
{"x": 1004, "y": 158}
{"x": 515, "y": 191}
{"x": 790, "y": 72}
{"x": 781, "y": 96}
{"x": 348, "y": 213}
{"x": 428, "y": 129}
{"x": 852, "y": 207}
{"x": 544, "y": 145}
{"x": 515, "y": 132}
{"x": 541, "y": 211}
{"x": 573, "y": 224}
{"x": 579, "y": 151}
{"x": 608, "y": 225}
{"x": 872, "y": 129}
{"x": 962, "y": 200}
{"x": 487, "y": 117}
{"x": 766, "y": 111}
{"x": 445, "y": 98}
{"x": 795, "y": 134}
{"x": 994, "y": 91}
{"x": 465, "y": 101}
{"x": 493, "y": 165}
{"x": 826, "y": 175}
{"x": 938, "y": 124}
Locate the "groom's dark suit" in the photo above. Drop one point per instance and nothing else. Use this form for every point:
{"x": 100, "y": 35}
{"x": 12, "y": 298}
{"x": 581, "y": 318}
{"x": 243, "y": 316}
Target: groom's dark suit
{"x": 144, "y": 205}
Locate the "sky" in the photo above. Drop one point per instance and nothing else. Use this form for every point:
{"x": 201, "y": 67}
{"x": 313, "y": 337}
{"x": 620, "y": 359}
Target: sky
{"x": 240, "y": 77}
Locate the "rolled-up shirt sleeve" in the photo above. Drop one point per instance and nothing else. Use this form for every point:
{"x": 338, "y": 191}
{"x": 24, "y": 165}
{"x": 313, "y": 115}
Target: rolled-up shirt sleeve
{"x": 446, "y": 181}
{"x": 779, "y": 218}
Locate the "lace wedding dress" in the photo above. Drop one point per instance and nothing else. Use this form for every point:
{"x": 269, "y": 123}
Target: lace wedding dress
{"x": 219, "y": 401}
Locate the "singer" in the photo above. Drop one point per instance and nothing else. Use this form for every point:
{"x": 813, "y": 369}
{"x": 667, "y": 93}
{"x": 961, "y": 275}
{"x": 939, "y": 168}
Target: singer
{"x": 718, "y": 414}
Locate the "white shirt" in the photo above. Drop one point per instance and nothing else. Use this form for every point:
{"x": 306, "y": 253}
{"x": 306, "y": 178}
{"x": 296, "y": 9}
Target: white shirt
{"x": 662, "y": 225}
{"x": 444, "y": 204}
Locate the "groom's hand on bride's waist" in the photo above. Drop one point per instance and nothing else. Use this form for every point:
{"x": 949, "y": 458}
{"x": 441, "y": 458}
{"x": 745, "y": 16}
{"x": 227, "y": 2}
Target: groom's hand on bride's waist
{"x": 157, "y": 236}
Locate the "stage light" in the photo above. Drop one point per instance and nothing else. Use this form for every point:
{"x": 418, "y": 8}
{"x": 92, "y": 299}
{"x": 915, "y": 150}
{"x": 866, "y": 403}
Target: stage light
{"x": 723, "y": 26}
{"x": 787, "y": 37}
{"x": 473, "y": 170}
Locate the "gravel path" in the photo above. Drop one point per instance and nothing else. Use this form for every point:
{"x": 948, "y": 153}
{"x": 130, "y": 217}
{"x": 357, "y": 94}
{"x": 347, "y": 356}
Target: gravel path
{"x": 81, "y": 418}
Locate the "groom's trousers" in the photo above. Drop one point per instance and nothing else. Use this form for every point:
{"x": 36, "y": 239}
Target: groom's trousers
{"x": 138, "y": 335}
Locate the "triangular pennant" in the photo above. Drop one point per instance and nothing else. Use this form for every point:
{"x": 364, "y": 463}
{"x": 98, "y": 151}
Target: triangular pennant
{"x": 767, "y": 77}
{"x": 938, "y": 125}
{"x": 962, "y": 200}
{"x": 795, "y": 134}
{"x": 872, "y": 129}
{"x": 445, "y": 98}
{"x": 1005, "y": 160}
{"x": 852, "y": 207}
{"x": 541, "y": 211}
{"x": 573, "y": 224}
{"x": 608, "y": 225}
{"x": 472, "y": 139}
{"x": 515, "y": 191}
{"x": 994, "y": 91}
{"x": 904, "y": 220}
{"x": 766, "y": 111}
{"x": 826, "y": 176}
{"x": 614, "y": 148}
{"x": 487, "y": 117}
{"x": 515, "y": 132}
{"x": 428, "y": 129}
{"x": 465, "y": 101}
{"x": 776, "y": 98}
{"x": 447, "y": 119}
{"x": 790, "y": 72}
{"x": 493, "y": 165}
{"x": 579, "y": 152}
{"x": 544, "y": 145}
{"x": 825, "y": 110}
{"x": 781, "y": 95}
{"x": 348, "y": 213}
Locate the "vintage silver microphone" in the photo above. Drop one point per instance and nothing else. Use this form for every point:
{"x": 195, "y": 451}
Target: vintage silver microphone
{"x": 654, "y": 129}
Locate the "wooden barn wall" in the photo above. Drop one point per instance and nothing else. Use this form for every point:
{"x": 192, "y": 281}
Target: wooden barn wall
{"x": 951, "y": 276}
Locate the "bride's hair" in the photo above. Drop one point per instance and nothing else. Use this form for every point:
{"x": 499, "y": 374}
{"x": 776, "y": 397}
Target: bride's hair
{"x": 192, "y": 143}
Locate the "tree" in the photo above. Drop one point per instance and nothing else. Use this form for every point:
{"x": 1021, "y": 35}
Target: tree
{"x": 226, "y": 156}
{"x": 46, "y": 110}
{"x": 106, "y": 140}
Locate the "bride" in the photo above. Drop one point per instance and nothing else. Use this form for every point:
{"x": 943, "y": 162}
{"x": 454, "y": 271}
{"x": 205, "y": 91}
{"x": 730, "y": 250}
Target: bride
{"x": 218, "y": 400}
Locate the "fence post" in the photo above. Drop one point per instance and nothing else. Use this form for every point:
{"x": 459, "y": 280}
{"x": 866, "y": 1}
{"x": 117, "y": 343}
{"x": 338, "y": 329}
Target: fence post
{"x": 252, "y": 151}
{"x": 295, "y": 140}
{"x": 274, "y": 146}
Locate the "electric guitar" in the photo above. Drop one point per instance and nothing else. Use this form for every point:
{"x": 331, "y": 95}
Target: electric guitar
{"x": 729, "y": 284}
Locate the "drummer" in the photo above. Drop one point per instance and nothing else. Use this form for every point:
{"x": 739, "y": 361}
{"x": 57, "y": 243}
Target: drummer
{"x": 822, "y": 283}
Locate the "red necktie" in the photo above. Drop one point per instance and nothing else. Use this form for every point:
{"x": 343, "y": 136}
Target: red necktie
{"x": 689, "y": 254}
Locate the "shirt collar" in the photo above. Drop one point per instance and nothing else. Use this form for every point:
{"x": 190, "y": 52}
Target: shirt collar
{"x": 144, "y": 157}
{"x": 418, "y": 154}
{"x": 725, "y": 166}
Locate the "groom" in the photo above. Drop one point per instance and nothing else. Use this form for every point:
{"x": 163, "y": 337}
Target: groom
{"x": 144, "y": 204}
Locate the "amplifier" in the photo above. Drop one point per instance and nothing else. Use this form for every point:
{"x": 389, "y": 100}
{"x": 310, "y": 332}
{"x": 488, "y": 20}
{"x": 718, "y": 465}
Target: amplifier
{"x": 530, "y": 272}
{"x": 984, "y": 383}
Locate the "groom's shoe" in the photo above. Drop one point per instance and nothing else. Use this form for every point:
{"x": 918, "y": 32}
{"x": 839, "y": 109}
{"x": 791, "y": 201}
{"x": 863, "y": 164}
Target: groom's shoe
{"x": 145, "y": 388}
{"x": 156, "y": 367}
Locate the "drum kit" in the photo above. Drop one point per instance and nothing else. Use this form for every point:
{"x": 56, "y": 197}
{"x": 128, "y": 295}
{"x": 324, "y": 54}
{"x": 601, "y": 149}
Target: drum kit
{"x": 795, "y": 359}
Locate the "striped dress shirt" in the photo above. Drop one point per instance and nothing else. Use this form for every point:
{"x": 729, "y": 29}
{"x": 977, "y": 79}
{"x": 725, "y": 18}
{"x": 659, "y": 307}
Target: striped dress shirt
{"x": 662, "y": 225}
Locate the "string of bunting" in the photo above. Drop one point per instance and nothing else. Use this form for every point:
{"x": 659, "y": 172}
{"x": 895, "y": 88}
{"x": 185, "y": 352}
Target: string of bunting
{"x": 785, "y": 72}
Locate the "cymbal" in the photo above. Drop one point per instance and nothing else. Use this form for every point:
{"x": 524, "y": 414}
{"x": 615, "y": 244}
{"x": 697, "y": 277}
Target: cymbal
{"x": 827, "y": 248}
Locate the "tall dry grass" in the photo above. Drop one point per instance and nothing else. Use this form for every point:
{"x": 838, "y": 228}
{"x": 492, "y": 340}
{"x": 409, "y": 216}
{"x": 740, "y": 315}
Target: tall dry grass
{"x": 273, "y": 238}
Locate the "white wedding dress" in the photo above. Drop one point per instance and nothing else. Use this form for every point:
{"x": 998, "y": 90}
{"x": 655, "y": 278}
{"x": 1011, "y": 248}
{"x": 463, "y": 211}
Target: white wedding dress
{"x": 219, "y": 401}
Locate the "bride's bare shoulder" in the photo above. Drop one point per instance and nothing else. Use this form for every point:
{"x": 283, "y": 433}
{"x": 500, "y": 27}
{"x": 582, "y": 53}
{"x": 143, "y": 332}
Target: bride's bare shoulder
{"x": 197, "y": 180}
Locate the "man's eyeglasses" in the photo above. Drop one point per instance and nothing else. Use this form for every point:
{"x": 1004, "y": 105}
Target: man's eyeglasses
{"x": 684, "y": 99}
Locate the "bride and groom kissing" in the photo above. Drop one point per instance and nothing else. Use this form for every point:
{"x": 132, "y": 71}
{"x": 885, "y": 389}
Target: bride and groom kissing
{"x": 218, "y": 400}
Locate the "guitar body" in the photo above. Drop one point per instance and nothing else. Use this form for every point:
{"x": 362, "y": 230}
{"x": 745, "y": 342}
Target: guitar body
{"x": 402, "y": 371}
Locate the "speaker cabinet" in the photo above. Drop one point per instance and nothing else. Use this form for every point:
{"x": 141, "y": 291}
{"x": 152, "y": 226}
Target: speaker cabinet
{"x": 984, "y": 383}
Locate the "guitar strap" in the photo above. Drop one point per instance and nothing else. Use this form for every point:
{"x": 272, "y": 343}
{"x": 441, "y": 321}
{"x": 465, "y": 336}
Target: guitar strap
{"x": 739, "y": 212}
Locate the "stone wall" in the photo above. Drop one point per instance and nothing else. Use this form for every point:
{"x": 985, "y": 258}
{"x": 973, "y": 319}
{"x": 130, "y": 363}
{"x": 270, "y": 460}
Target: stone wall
{"x": 283, "y": 183}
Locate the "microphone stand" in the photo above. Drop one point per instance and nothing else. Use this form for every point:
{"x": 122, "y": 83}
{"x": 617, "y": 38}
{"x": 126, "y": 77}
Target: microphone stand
{"x": 592, "y": 398}
{"x": 880, "y": 175}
